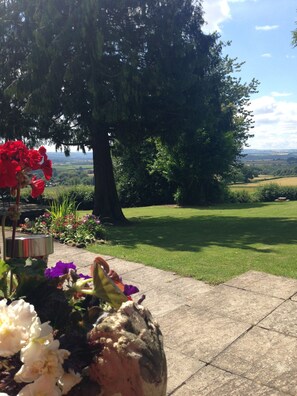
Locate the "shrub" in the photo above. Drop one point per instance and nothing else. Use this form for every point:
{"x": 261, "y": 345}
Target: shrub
{"x": 268, "y": 192}
{"x": 240, "y": 197}
{"x": 82, "y": 196}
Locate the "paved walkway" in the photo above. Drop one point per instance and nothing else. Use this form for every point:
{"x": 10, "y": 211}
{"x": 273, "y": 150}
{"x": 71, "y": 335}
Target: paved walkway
{"x": 235, "y": 339}
{"x": 238, "y": 338}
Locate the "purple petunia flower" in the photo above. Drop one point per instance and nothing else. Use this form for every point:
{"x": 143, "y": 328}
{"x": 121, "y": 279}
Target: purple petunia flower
{"x": 82, "y": 276}
{"x": 130, "y": 289}
{"x": 59, "y": 269}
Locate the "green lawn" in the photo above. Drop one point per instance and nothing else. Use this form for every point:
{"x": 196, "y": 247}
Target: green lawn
{"x": 212, "y": 244}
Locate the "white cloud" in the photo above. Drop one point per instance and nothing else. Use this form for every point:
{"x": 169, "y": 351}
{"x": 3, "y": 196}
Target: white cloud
{"x": 215, "y": 13}
{"x": 267, "y": 27}
{"x": 266, "y": 55}
{"x": 280, "y": 94}
{"x": 275, "y": 123}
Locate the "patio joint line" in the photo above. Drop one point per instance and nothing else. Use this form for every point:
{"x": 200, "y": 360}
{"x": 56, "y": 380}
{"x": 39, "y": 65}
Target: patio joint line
{"x": 256, "y": 292}
{"x": 251, "y": 380}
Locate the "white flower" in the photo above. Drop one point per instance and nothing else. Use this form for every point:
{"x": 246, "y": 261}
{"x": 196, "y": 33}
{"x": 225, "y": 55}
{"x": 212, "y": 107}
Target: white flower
{"x": 41, "y": 358}
{"x": 68, "y": 381}
{"x": 17, "y": 321}
{"x": 43, "y": 333}
{"x": 43, "y": 386}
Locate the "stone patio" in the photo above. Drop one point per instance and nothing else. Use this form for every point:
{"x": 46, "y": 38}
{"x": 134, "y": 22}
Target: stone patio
{"x": 238, "y": 338}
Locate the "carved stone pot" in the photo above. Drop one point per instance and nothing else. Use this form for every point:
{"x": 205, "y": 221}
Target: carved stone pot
{"x": 132, "y": 361}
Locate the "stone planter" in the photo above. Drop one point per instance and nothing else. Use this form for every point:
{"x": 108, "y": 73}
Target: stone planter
{"x": 131, "y": 361}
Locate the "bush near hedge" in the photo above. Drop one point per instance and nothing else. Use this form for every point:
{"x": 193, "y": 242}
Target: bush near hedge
{"x": 83, "y": 196}
{"x": 272, "y": 191}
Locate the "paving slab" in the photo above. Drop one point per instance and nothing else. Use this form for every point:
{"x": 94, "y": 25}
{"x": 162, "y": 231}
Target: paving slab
{"x": 180, "y": 368}
{"x": 198, "y": 334}
{"x": 161, "y": 303}
{"x": 238, "y": 304}
{"x": 122, "y": 266}
{"x": 283, "y": 319}
{"x": 270, "y": 285}
{"x": 211, "y": 381}
{"x": 265, "y": 357}
{"x": 186, "y": 288}
{"x": 149, "y": 277}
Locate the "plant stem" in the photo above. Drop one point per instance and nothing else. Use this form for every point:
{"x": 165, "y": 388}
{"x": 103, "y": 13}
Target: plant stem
{"x": 14, "y": 225}
{"x": 3, "y": 236}
{"x": 14, "y": 222}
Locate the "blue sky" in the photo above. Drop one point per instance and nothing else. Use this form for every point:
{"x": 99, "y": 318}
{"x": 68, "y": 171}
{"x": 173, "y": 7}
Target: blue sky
{"x": 260, "y": 32}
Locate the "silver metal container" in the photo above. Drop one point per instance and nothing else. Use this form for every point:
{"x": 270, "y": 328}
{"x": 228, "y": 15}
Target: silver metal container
{"x": 38, "y": 246}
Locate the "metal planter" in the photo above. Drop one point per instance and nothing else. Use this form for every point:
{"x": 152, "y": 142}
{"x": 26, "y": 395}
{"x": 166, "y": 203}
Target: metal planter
{"x": 37, "y": 246}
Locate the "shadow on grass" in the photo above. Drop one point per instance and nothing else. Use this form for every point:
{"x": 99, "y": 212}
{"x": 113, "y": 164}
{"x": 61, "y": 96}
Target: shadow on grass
{"x": 227, "y": 206}
{"x": 198, "y": 232}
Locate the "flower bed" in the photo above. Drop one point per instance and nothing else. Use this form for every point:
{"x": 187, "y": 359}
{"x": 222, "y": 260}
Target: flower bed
{"x": 67, "y": 229}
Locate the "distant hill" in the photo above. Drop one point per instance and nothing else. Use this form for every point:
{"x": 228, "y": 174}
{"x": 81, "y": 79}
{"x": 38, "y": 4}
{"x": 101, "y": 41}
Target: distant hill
{"x": 268, "y": 155}
{"x": 75, "y": 157}
{"x": 78, "y": 157}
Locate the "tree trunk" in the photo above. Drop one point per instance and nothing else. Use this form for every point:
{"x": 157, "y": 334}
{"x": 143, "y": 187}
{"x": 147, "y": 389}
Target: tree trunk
{"x": 106, "y": 201}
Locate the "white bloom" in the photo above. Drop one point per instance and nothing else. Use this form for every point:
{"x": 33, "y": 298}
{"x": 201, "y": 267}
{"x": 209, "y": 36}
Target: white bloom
{"x": 41, "y": 358}
{"x": 68, "y": 381}
{"x": 17, "y": 321}
{"x": 43, "y": 386}
{"x": 43, "y": 333}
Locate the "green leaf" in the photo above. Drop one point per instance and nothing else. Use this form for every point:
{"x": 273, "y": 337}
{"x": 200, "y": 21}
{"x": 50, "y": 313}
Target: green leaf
{"x": 28, "y": 272}
{"x": 106, "y": 289}
{"x": 4, "y": 268}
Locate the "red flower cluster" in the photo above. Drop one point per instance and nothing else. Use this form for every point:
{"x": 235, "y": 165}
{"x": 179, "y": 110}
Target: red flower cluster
{"x": 16, "y": 164}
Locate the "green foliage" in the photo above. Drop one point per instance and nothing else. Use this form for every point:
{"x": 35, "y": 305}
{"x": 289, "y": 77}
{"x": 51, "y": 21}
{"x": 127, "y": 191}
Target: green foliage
{"x": 269, "y": 192}
{"x": 29, "y": 273}
{"x": 272, "y": 191}
{"x": 62, "y": 207}
{"x": 239, "y": 197}
{"x": 91, "y": 72}
{"x": 242, "y": 173}
{"x": 105, "y": 289}
{"x": 81, "y": 195}
{"x": 137, "y": 185}
{"x": 4, "y": 268}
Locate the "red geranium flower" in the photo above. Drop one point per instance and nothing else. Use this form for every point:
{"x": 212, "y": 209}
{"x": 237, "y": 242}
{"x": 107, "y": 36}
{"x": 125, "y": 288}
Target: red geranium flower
{"x": 16, "y": 164}
{"x": 37, "y": 186}
{"x": 47, "y": 169}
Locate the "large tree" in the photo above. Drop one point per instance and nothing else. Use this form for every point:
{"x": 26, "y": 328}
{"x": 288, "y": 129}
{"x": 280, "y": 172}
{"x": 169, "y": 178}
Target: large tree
{"x": 91, "y": 71}
{"x": 209, "y": 144}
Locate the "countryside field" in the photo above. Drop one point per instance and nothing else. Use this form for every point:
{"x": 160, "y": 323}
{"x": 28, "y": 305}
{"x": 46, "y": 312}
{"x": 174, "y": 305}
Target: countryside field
{"x": 212, "y": 244}
{"x": 264, "y": 180}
